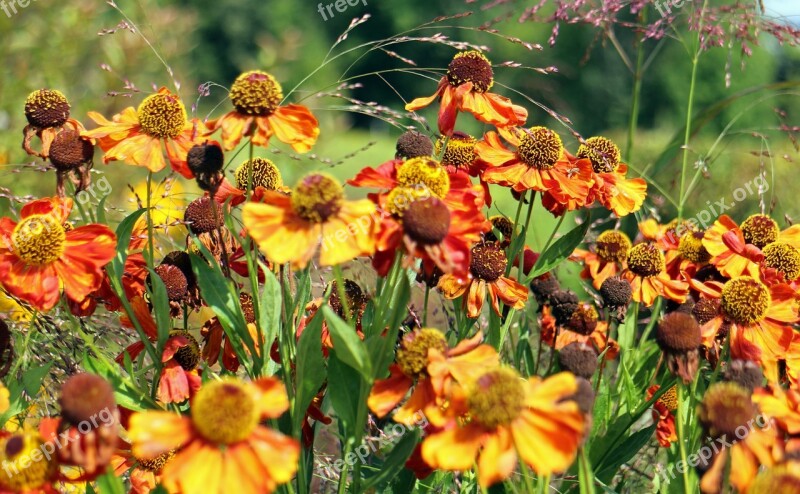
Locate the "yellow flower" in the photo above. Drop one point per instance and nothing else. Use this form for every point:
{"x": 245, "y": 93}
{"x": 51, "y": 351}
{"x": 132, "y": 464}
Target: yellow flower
{"x": 4, "y": 398}
{"x": 169, "y": 199}
{"x": 12, "y": 309}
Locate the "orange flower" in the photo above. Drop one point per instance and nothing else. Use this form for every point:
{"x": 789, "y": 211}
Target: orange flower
{"x": 745, "y": 443}
{"x": 291, "y": 228}
{"x": 39, "y": 257}
{"x": 263, "y": 176}
{"x": 510, "y": 417}
{"x": 145, "y": 475}
{"x": 256, "y": 98}
{"x": 436, "y": 216}
{"x": 179, "y": 378}
{"x": 221, "y": 447}
{"x": 648, "y": 278}
{"x": 486, "y": 271}
{"x": 432, "y": 371}
{"x": 757, "y": 318}
{"x": 137, "y": 136}
{"x": 664, "y": 414}
{"x": 539, "y": 163}
{"x": 736, "y": 249}
{"x": 611, "y": 187}
{"x": 608, "y": 258}
{"x": 466, "y": 88}
{"x": 596, "y": 336}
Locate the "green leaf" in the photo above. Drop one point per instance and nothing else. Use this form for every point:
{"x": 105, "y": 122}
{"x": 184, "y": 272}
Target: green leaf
{"x": 33, "y": 377}
{"x": 124, "y": 231}
{"x": 124, "y": 394}
{"x": 224, "y": 300}
{"x": 623, "y": 453}
{"x": 344, "y": 385}
{"x": 310, "y": 370}
{"x": 270, "y": 308}
{"x": 158, "y": 296}
{"x": 559, "y": 250}
{"x": 585, "y": 474}
{"x": 395, "y": 461}
{"x": 109, "y": 483}
{"x": 347, "y": 346}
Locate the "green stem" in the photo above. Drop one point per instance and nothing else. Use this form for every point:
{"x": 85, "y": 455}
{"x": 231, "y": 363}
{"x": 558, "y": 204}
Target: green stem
{"x": 337, "y": 273}
{"x": 150, "y": 239}
{"x": 682, "y": 439}
{"x": 637, "y": 91}
{"x": 689, "y": 113}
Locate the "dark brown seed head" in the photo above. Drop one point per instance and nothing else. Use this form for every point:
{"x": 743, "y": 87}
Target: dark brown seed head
{"x": 84, "y": 396}
{"x": 68, "y": 151}
{"x": 46, "y": 108}
{"x": 615, "y": 292}
{"x": 678, "y": 332}
{"x": 200, "y": 217}
{"x": 427, "y": 221}
{"x": 412, "y": 144}
{"x": 205, "y": 158}
{"x": 578, "y": 358}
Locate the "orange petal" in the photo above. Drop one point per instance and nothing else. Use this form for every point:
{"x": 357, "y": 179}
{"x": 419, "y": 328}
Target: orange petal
{"x": 272, "y": 399}
{"x": 454, "y": 448}
{"x": 295, "y": 125}
{"x": 153, "y": 433}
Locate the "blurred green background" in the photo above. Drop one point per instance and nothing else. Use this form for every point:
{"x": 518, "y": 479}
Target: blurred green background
{"x": 89, "y": 49}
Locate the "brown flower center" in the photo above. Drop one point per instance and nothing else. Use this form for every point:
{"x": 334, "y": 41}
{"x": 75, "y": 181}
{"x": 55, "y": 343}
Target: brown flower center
{"x": 427, "y": 221}
{"x": 603, "y": 154}
{"x": 540, "y": 147}
{"x": 745, "y": 300}
{"x": 783, "y": 257}
{"x": 256, "y": 93}
{"x": 760, "y": 230}
{"x": 488, "y": 262}
{"x": 264, "y": 174}
{"x": 496, "y": 398}
{"x": 726, "y": 410}
{"x": 505, "y": 228}
{"x": 471, "y": 66}
{"x": 162, "y": 116}
{"x": 691, "y": 248}
{"x": 187, "y": 356}
{"x": 612, "y": 246}
{"x": 317, "y": 197}
{"x": 46, "y": 108}
{"x": 412, "y": 357}
{"x": 156, "y": 464}
{"x": 460, "y": 150}
{"x": 225, "y": 411}
{"x": 39, "y": 239}
{"x": 68, "y": 151}
{"x": 645, "y": 260}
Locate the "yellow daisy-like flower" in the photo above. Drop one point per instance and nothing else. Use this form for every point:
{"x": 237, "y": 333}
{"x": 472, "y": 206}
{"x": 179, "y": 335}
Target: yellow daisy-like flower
{"x": 316, "y": 217}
